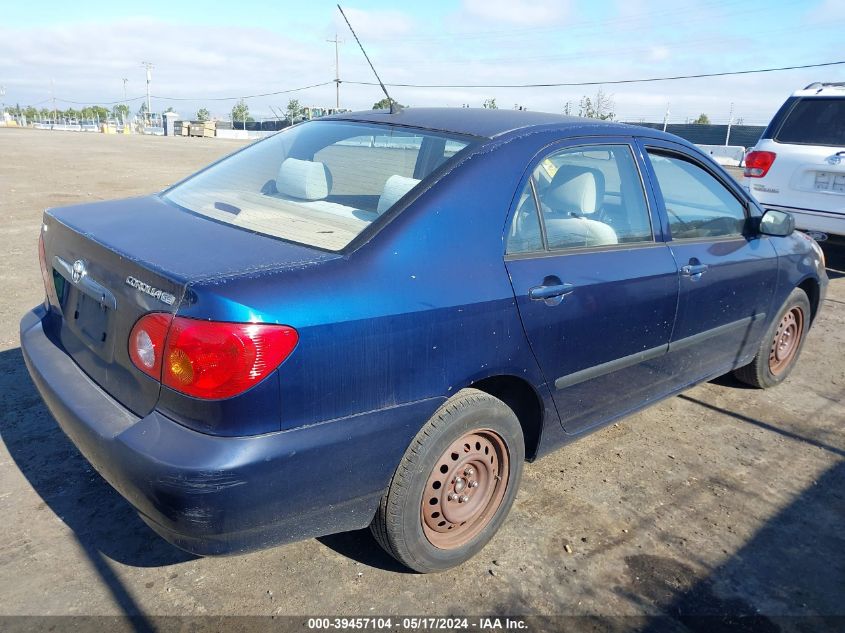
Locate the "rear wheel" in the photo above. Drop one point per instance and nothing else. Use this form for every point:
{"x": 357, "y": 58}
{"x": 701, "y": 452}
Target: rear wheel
{"x": 779, "y": 350}
{"x": 455, "y": 484}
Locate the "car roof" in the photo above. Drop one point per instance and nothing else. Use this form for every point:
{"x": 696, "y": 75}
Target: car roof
{"x": 485, "y": 122}
{"x": 822, "y": 89}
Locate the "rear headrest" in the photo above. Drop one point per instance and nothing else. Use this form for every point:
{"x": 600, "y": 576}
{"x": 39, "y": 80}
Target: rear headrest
{"x": 395, "y": 187}
{"x": 576, "y": 189}
{"x": 303, "y": 179}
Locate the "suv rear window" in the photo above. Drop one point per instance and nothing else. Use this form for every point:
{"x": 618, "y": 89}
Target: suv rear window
{"x": 816, "y": 121}
{"x": 321, "y": 183}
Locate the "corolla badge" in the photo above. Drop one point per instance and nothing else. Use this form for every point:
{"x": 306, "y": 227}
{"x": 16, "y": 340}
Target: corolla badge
{"x": 78, "y": 271}
{"x": 155, "y": 293}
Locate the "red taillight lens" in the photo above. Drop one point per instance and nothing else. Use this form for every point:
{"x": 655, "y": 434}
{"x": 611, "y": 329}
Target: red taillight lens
{"x": 757, "y": 164}
{"x": 208, "y": 359}
{"x": 147, "y": 340}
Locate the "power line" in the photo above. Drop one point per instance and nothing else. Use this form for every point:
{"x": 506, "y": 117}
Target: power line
{"x": 405, "y": 85}
{"x": 264, "y": 94}
{"x": 95, "y": 102}
{"x": 601, "y": 83}
{"x": 138, "y": 98}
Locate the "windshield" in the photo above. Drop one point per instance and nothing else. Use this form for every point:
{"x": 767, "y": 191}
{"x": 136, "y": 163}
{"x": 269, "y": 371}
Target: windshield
{"x": 816, "y": 121}
{"x": 320, "y": 183}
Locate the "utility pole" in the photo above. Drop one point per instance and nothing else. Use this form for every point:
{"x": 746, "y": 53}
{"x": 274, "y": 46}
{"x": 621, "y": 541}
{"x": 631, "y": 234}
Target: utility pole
{"x": 123, "y": 115}
{"x": 730, "y": 123}
{"x": 53, "y": 97}
{"x": 336, "y": 41}
{"x": 149, "y": 68}
{"x": 2, "y": 102}
{"x": 666, "y": 117}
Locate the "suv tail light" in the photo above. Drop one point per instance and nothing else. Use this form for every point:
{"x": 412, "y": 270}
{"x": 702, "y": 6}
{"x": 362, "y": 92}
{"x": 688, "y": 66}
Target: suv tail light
{"x": 757, "y": 164}
{"x": 208, "y": 359}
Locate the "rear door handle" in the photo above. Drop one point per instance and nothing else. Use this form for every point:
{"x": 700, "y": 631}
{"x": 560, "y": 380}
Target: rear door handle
{"x": 694, "y": 270}
{"x": 543, "y": 293}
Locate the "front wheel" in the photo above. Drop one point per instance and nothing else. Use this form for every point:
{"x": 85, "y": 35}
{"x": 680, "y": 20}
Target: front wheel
{"x": 455, "y": 484}
{"x": 779, "y": 350}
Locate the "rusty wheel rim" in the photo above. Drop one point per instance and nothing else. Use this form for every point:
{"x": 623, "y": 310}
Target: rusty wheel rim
{"x": 465, "y": 489}
{"x": 787, "y": 340}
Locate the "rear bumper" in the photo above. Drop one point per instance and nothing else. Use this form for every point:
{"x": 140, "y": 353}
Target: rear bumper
{"x": 219, "y": 495}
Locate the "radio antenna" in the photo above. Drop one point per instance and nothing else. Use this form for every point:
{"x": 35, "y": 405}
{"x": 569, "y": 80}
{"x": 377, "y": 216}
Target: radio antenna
{"x": 394, "y": 107}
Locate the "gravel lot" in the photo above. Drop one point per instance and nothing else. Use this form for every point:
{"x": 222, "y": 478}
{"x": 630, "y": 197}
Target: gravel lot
{"x": 723, "y": 500}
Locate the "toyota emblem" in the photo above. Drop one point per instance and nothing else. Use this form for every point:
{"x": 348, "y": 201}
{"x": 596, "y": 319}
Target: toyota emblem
{"x": 78, "y": 271}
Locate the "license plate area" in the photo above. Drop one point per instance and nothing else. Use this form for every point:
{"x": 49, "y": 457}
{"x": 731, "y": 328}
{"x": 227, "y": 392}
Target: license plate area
{"x": 90, "y": 320}
{"x": 88, "y": 313}
{"x": 830, "y": 181}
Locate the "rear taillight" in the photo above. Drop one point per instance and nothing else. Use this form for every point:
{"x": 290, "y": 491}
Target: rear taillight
{"x": 146, "y": 342}
{"x": 208, "y": 359}
{"x": 757, "y": 164}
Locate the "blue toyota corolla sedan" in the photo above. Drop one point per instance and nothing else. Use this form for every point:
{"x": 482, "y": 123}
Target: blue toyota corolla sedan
{"x": 374, "y": 319}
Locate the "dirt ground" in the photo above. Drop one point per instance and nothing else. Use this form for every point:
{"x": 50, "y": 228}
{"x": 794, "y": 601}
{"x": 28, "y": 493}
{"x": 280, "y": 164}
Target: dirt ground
{"x": 721, "y": 501}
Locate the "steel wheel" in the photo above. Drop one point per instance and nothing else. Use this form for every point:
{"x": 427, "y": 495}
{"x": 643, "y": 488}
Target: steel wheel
{"x": 787, "y": 340}
{"x": 455, "y": 484}
{"x": 465, "y": 489}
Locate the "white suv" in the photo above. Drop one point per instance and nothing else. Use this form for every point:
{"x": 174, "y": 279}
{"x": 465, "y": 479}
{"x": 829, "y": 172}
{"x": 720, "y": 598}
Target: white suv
{"x": 798, "y": 165}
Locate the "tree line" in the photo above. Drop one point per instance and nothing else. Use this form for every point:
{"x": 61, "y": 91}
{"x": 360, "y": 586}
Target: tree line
{"x": 599, "y": 106}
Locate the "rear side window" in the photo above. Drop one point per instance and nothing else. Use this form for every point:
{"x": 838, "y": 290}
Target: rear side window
{"x": 320, "y": 184}
{"x": 588, "y": 196}
{"x": 525, "y": 234}
{"x": 698, "y": 205}
{"x": 816, "y": 121}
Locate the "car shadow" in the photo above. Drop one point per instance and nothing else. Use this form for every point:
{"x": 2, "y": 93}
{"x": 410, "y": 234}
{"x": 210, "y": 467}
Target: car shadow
{"x": 360, "y": 546}
{"x": 787, "y": 576}
{"x": 834, "y": 252}
{"x": 729, "y": 380}
{"x": 102, "y": 521}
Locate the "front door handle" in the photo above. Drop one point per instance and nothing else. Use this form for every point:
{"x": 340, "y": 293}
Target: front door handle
{"x": 694, "y": 270}
{"x": 551, "y": 294}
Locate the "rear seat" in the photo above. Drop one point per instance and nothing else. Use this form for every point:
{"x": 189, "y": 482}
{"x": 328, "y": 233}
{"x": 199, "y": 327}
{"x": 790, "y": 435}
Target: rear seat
{"x": 394, "y": 189}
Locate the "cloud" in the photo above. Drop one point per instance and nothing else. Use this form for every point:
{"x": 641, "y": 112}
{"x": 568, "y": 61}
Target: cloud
{"x": 517, "y": 12}
{"x": 374, "y": 24}
{"x": 87, "y": 60}
{"x": 825, "y": 12}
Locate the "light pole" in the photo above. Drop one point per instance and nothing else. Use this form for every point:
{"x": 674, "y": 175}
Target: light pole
{"x": 125, "y": 112}
{"x": 149, "y": 68}
{"x": 730, "y": 123}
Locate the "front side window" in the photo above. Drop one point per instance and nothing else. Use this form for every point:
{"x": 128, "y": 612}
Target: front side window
{"x": 815, "y": 121}
{"x": 698, "y": 205}
{"x": 592, "y": 196}
{"x": 321, "y": 183}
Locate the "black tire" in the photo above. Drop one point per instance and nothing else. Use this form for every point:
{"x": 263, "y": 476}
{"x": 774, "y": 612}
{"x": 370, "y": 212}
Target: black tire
{"x": 759, "y": 372}
{"x": 400, "y": 526}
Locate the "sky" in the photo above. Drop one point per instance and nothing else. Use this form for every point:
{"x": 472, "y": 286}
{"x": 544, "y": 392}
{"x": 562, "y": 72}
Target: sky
{"x": 207, "y": 55}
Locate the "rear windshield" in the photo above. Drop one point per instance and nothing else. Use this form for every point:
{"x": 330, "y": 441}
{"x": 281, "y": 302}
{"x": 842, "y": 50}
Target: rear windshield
{"x": 320, "y": 183}
{"x": 816, "y": 121}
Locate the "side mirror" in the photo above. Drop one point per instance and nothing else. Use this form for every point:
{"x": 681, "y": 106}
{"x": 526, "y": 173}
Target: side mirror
{"x": 777, "y": 223}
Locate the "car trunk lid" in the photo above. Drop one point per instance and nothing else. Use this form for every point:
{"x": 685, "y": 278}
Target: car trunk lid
{"x": 110, "y": 263}
{"x": 808, "y": 177}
